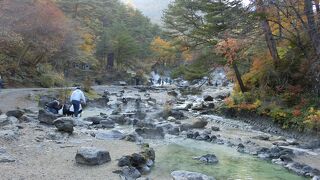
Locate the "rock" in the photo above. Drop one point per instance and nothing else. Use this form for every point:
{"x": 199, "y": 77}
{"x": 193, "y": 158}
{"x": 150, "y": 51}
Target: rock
{"x": 316, "y": 178}
{"x": 64, "y": 124}
{"x": 144, "y": 170}
{"x": 241, "y": 148}
{"x": 280, "y": 143}
{"x": 26, "y": 118}
{"x": 286, "y": 158}
{"x": 174, "y": 131}
{"x": 4, "y": 121}
{"x": 208, "y": 98}
{"x": 150, "y": 133}
{"x": 94, "y": 119}
{"x": 119, "y": 119}
{"x": 185, "y": 127}
{"x": 149, "y": 153}
{"x": 171, "y": 119}
{"x": 13, "y": 120}
{"x": 197, "y": 106}
{"x": 129, "y": 173}
{"x": 209, "y": 159}
{"x": 15, "y": 113}
{"x": 124, "y": 161}
{"x": 176, "y": 114}
{"x": 187, "y": 175}
{"x": 131, "y": 138}
{"x": 107, "y": 123}
{"x": 47, "y": 117}
{"x": 45, "y": 99}
{"x": 262, "y": 137}
{"x": 107, "y": 135}
{"x": 199, "y": 123}
{"x": 137, "y": 160}
{"x": 122, "y": 83}
{"x": 92, "y": 156}
{"x": 173, "y": 93}
{"x": 6, "y": 158}
{"x": 209, "y": 104}
{"x": 214, "y": 128}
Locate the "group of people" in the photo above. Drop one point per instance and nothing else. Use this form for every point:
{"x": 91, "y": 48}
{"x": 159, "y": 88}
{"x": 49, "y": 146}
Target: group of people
{"x": 77, "y": 97}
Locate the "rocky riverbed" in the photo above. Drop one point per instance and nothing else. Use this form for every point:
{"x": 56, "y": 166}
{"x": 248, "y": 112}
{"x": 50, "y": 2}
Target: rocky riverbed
{"x": 149, "y": 133}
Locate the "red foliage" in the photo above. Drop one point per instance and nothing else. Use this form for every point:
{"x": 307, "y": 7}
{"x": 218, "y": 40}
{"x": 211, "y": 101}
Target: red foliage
{"x": 40, "y": 22}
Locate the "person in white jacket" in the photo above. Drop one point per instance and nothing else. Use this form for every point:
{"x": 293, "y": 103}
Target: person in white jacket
{"x": 75, "y": 98}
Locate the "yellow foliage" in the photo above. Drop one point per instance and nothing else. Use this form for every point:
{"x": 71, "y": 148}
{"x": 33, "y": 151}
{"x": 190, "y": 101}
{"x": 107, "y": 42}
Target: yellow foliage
{"x": 88, "y": 46}
{"x": 164, "y": 50}
{"x": 312, "y": 121}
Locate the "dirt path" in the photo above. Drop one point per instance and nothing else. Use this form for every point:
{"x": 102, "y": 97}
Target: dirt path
{"x": 18, "y": 98}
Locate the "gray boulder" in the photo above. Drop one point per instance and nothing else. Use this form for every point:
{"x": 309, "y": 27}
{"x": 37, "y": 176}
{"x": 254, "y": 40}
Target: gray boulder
{"x": 208, "y": 98}
{"x": 92, "y": 156}
{"x": 119, "y": 119}
{"x": 15, "y": 113}
{"x": 107, "y": 123}
{"x": 47, "y": 117}
{"x": 187, "y": 175}
{"x": 150, "y": 133}
{"x": 199, "y": 123}
{"x": 129, "y": 173}
{"x": 209, "y": 159}
{"x": 124, "y": 161}
{"x": 64, "y": 124}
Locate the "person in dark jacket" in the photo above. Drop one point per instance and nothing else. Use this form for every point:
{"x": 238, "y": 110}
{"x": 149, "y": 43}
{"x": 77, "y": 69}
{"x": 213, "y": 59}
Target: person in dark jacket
{"x": 54, "y": 106}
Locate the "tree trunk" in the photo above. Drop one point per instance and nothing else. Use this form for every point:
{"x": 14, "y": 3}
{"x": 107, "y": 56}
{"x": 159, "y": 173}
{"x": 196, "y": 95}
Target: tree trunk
{"x": 312, "y": 27}
{"x": 268, "y": 33}
{"x": 238, "y": 75}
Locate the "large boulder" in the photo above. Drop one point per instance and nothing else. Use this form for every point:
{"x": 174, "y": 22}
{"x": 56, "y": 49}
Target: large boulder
{"x": 47, "y": 117}
{"x": 208, "y": 98}
{"x": 15, "y": 113}
{"x": 150, "y": 133}
{"x": 64, "y": 124}
{"x": 187, "y": 175}
{"x": 129, "y": 173}
{"x": 199, "y": 123}
{"x": 92, "y": 156}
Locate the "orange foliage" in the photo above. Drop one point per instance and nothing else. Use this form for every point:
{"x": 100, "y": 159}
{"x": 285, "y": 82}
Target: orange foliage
{"x": 229, "y": 48}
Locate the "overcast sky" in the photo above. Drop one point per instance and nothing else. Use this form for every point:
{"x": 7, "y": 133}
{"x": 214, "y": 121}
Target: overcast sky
{"x": 153, "y": 8}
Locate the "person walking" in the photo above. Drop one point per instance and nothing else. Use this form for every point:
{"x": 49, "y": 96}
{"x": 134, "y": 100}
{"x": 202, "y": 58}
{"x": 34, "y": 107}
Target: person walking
{"x": 75, "y": 98}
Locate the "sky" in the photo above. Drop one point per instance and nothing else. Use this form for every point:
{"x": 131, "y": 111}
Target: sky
{"x": 154, "y": 8}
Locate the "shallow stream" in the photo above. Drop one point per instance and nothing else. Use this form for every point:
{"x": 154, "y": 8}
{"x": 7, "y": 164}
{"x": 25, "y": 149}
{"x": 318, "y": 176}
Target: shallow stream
{"x": 177, "y": 153}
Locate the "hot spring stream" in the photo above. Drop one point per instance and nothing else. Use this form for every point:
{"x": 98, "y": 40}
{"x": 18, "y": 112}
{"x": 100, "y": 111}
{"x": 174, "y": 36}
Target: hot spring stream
{"x": 177, "y": 153}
